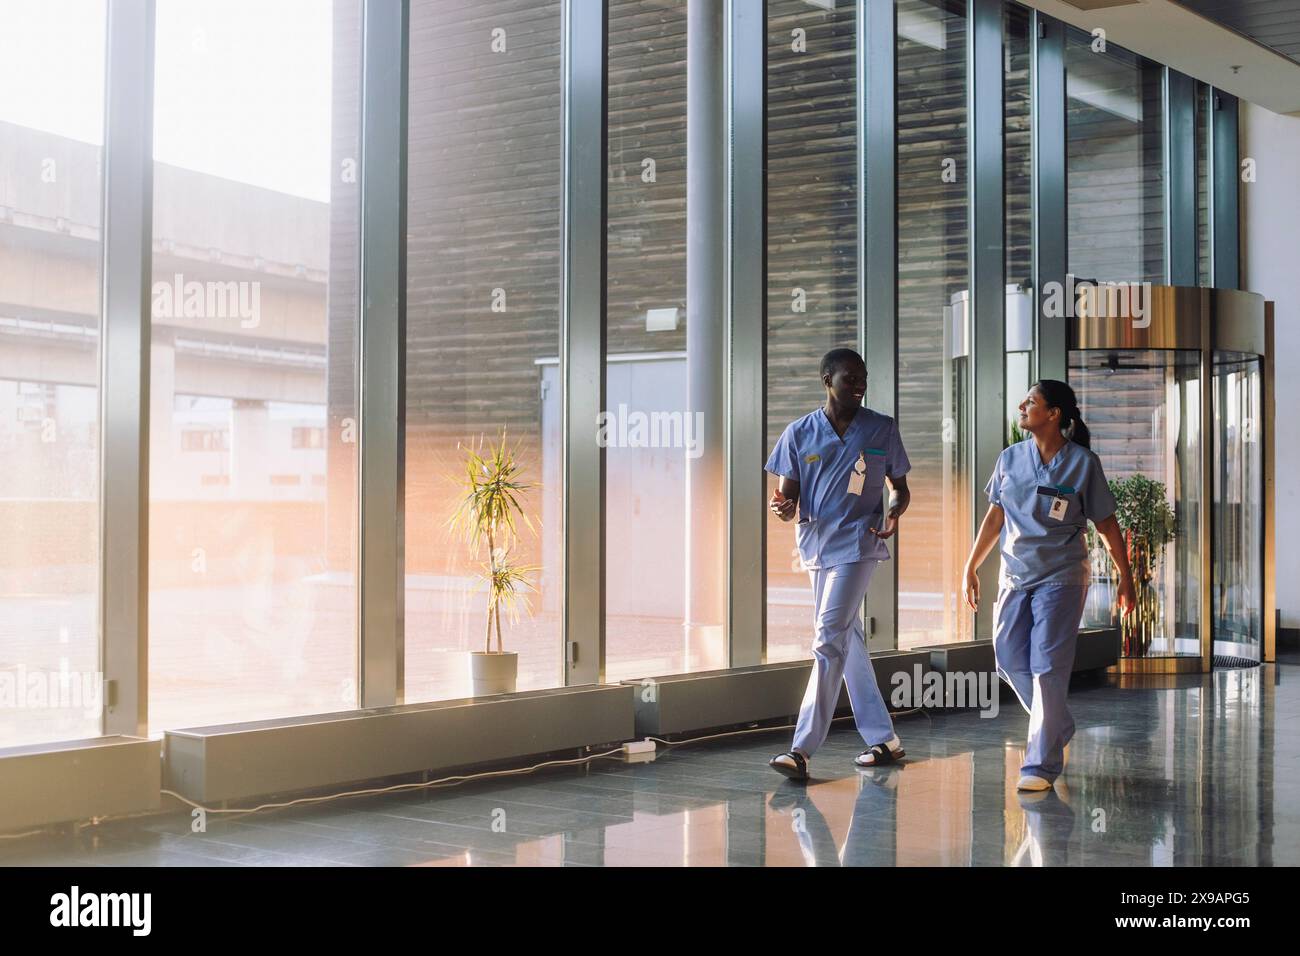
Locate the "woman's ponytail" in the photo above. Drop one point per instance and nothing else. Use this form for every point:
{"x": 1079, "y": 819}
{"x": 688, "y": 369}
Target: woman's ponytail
{"x": 1058, "y": 394}
{"x": 1079, "y": 433}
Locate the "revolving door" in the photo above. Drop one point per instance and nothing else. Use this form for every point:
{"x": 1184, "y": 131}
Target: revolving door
{"x": 1174, "y": 384}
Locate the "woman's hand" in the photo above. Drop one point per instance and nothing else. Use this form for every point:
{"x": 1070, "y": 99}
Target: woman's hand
{"x": 972, "y": 589}
{"x": 1127, "y": 596}
{"x": 782, "y": 506}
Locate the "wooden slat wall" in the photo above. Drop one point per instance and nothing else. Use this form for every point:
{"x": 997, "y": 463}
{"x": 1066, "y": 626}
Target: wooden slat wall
{"x": 647, "y": 221}
{"x": 483, "y": 208}
{"x": 933, "y": 237}
{"x": 1115, "y": 179}
{"x": 812, "y": 204}
{"x": 484, "y": 213}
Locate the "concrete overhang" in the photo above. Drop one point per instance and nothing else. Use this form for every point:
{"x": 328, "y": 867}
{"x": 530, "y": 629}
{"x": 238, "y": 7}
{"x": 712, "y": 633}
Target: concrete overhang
{"x": 1188, "y": 42}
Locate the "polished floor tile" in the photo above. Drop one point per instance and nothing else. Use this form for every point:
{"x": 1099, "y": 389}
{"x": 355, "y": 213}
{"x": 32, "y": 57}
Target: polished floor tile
{"x": 1191, "y": 772}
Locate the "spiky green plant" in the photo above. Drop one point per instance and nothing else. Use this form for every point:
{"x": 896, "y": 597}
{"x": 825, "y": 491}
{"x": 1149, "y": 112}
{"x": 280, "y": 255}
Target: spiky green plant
{"x": 486, "y": 516}
{"x": 1014, "y": 436}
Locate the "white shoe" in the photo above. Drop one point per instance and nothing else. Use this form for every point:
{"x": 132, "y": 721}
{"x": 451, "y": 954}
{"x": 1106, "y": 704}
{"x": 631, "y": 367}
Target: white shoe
{"x": 1030, "y": 782}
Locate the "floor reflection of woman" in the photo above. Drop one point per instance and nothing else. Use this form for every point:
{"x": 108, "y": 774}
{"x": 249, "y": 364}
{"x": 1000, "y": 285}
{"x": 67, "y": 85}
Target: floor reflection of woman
{"x": 1042, "y": 494}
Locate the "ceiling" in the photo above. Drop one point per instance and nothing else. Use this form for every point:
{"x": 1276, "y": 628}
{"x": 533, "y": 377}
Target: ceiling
{"x": 1274, "y": 23}
{"x": 1250, "y": 48}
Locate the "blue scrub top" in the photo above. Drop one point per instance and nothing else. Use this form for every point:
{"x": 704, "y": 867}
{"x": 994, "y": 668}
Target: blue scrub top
{"x": 833, "y": 524}
{"x": 1038, "y": 549}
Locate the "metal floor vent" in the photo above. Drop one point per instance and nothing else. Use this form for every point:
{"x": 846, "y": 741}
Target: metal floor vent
{"x": 1223, "y": 660}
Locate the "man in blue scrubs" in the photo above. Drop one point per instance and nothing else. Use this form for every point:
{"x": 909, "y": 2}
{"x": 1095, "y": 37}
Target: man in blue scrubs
{"x": 1042, "y": 494}
{"x": 832, "y": 465}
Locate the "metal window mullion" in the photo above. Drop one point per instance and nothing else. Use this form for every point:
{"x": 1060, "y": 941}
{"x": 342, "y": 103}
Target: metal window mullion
{"x": 877, "y": 166}
{"x": 584, "y": 207}
{"x": 382, "y": 355}
{"x": 746, "y": 321}
{"x": 127, "y": 235}
{"x": 1180, "y": 178}
{"x": 985, "y": 119}
{"x": 1050, "y": 237}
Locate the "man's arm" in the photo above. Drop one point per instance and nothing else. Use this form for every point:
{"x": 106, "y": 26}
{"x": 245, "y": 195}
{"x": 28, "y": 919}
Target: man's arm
{"x": 900, "y": 496}
{"x": 785, "y": 498}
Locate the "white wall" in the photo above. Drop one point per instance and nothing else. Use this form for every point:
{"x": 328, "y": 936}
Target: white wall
{"x": 1270, "y": 237}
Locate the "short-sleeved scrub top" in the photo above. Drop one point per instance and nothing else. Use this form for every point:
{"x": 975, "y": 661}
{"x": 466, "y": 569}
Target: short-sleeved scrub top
{"x": 834, "y": 525}
{"x": 1047, "y": 506}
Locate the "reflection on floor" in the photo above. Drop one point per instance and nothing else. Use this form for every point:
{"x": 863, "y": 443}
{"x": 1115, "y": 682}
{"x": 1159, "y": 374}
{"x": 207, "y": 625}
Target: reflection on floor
{"x": 1203, "y": 771}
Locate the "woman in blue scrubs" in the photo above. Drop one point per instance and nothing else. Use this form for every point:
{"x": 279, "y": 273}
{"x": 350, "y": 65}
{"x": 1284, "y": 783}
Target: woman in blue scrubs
{"x": 1042, "y": 494}
{"x": 833, "y": 464}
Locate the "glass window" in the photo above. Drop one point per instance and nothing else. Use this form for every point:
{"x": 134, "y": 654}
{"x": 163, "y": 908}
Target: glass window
{"x": 483, "y": 333}
{"x": 1114, "y": 161}
{"x": 252, "y": 530}
{"x": 812, "y": 261}
{"x": 933, "y": 319}
{"x": 665, "y": 601}
{"x": 51, "y": 151}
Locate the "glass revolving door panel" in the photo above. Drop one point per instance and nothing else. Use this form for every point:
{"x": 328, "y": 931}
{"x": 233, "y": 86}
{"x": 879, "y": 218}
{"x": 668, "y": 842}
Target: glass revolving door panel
{"x": 1143, "y": 407}
{"x": 1239, "y": 510}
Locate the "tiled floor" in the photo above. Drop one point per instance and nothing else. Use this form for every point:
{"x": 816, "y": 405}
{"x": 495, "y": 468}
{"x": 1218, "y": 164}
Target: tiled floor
{"x": 1205, "y": 771}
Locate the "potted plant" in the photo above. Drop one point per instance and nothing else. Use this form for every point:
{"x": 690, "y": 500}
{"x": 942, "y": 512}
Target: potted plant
{"x": 486, "y": 516}
{"x": 1149, "y": 524}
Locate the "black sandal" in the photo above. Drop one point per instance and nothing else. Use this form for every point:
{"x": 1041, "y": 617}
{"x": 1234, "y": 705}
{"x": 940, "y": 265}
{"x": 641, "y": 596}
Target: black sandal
{"x": 798, "y": 772}
{"x": 880, "y": 755}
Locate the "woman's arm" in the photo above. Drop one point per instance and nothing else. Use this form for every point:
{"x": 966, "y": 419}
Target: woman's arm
{"x": 1113, "y": 537}
{"x": 990, "y": 529}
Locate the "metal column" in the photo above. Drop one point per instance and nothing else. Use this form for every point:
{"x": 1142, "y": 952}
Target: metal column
{"x": 124, "y": 367}
{"x": 1224, "y": 183}
{"x": 707, "y": 139}
{"x": 746, "y": 323}
{"x": 1050, "y": 246}
{"x": 582, "y": 334}
{"x": 877, "y": 162}
{"x": 382, "y": 355}
{"x": 1180, "y": 178}
{"x": 987, "y": 269}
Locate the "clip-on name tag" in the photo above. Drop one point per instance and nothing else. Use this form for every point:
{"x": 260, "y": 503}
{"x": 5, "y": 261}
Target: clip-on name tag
{"x": 859, "y": 476}
{"x": 1060, "y": 503}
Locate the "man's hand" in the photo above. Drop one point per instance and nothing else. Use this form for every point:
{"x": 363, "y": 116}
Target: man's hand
{"x": 782, "y": 506}
{"x": 891, "y": 525}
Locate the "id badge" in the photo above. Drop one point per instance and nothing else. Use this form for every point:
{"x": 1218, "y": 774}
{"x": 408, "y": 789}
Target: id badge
{"x": 1059, "y": 505}
{"x": 859, "y": 476}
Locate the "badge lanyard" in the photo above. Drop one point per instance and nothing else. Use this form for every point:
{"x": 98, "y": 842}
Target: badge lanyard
{"x": 859, "y": 476}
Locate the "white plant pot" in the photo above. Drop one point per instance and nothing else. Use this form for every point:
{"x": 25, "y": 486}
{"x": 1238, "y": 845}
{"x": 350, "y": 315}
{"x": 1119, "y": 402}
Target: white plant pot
{"x": 492, "y": 673}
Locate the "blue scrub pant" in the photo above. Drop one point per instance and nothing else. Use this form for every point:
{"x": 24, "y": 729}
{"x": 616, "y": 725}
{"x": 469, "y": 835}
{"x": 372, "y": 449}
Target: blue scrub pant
{"x": 1034, "y": 633}
{"x": 839, "y": 654}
